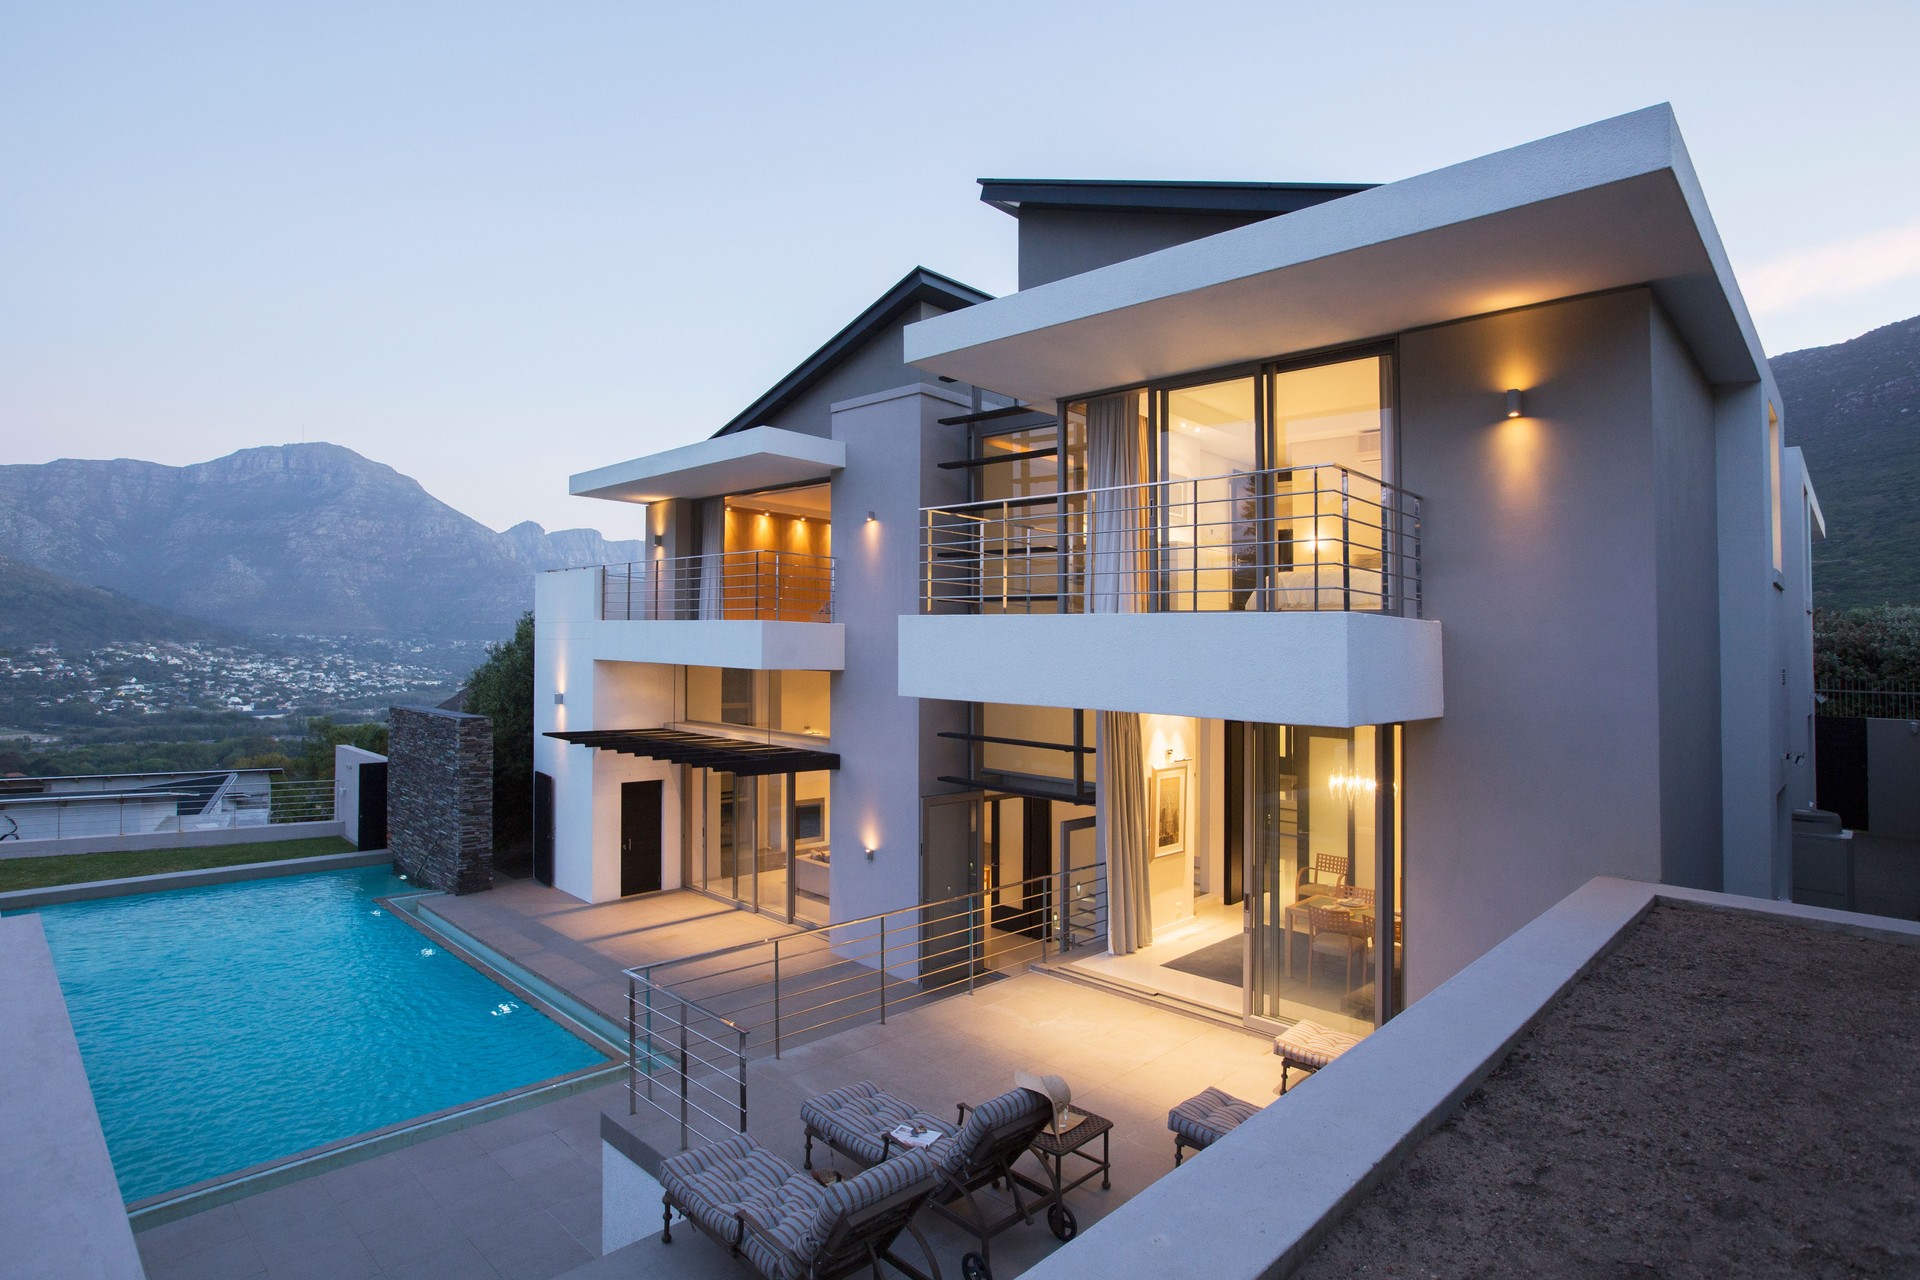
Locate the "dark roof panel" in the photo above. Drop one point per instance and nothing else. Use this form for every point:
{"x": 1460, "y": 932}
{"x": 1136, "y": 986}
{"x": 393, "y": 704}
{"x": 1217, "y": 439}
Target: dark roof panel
{"x": 918, "y": 285}
{"x": 1010, "y": 195}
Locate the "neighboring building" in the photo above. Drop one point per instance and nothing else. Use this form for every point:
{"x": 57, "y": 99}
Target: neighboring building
{"x": 127, "y": 804}
{"x": 1424, "y": 550}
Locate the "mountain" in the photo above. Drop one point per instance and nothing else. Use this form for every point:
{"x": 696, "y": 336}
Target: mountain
{"x": 298, "y": 538}
{"x": 1854, "y": 408}
{"x": 568, "y": 548}
{"x": 41, "y": 608}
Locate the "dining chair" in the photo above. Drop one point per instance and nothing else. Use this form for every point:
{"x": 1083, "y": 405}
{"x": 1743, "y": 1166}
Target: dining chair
{"x": 1331, "y": 931}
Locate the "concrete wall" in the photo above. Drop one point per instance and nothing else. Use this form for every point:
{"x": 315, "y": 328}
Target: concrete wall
{"x": 440, "y": 797}
{"x": 61, "y": 1213}
{"x": 890, "y": 754}
{"x": 1796, "y": 635}
{"x": 568, "y": 639}
{"x": 877, "y": 365}
{"x": 346, "y": 787}
{"x": 1055, "y": 243}
{"x": 1539, "y": 539}
{"x": 1893, "y": 778}
{"x": 1686, "y": 564}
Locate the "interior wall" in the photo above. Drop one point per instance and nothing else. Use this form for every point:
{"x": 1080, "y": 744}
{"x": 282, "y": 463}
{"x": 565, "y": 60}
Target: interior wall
{"x": 1539, "y": 538}
{"x": 1173, "y": 743}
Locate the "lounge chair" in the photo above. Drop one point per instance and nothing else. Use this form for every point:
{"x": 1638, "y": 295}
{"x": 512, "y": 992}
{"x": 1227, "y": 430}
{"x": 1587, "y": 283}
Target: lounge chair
{"x": 976, "y": 1151}
{"x": 785, "y": 1224}
{"x": 1204, "y": 1119}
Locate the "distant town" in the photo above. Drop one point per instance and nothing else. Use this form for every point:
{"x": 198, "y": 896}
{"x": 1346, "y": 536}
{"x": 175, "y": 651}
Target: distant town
{"x": 45, "y": 689}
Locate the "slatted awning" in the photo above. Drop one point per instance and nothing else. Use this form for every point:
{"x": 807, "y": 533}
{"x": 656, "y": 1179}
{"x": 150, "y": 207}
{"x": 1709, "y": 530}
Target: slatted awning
{"x": 704, "y": 750}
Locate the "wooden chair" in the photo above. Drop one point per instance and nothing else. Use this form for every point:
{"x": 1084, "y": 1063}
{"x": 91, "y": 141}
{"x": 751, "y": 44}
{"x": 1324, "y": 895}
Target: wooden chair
{"x": 1331, "y": 931}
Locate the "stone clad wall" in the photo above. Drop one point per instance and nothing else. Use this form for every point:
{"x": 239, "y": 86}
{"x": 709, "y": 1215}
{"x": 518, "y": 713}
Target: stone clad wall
{"x": 440, "y": 797}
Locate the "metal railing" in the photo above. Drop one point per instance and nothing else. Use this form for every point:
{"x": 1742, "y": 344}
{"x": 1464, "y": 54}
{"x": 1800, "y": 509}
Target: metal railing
{"x": 1321, "y": 537}
{"x": 693, "y": 1023}
{"x": 779, "y": 586}
{"x": 81, "y": 814}
{"x": 1872, "y": 704}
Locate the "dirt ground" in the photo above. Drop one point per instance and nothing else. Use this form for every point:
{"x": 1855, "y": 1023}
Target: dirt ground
{"x": 1723, "y": 1095}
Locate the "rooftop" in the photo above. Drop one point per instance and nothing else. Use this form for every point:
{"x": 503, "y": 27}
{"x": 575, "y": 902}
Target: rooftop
{"x": 1011, "y": 195}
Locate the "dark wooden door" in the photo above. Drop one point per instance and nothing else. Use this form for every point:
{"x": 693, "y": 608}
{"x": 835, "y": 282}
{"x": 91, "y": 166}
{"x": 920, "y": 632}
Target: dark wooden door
{"x": 543, "y": 828}
{"x": 639, "y": 837}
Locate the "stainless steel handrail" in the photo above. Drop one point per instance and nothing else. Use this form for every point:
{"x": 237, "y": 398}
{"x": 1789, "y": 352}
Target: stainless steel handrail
{"x": 1310, "y": 537}
{"x": 764, "y": 585}
{"x": 843, "y": 974}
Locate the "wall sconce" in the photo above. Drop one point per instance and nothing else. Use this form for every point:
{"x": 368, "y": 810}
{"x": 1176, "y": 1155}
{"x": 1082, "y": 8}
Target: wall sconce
{"x": 559, "y": 699}
{"x": 659, "y": 539}
{"x": 870, "y": 517}
{"x": 1514, "y": 407}
{"x": 870, "y": 852}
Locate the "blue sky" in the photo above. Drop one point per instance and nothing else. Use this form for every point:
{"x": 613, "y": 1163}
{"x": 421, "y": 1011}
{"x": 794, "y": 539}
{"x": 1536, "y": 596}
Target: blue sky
{"x": 494, "y": 244}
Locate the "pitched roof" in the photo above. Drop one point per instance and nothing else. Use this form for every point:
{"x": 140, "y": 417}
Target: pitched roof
{"x": 918, "y": 285}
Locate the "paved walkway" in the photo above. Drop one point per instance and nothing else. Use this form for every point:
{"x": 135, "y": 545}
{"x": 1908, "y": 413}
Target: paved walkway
{"x": 583, "y": 948}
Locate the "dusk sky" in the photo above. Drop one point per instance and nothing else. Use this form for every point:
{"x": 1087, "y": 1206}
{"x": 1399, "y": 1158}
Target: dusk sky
{"x": 495, "y": 244}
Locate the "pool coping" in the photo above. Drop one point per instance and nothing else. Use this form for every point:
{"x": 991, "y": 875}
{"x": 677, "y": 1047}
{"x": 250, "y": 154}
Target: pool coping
{"x": 602, "y": 1034}
{"x": 87, "y": 890}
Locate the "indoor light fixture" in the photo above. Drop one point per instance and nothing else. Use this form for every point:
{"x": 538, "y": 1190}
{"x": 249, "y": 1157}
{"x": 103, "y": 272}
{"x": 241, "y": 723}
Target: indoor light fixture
{"x": 1513, "y": 402}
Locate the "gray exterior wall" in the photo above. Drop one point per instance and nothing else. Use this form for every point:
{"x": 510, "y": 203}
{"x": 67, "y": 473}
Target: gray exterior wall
{"x": 890, "y": 751}
{"x": 1686, "y": 564}
{"x": 877, "y": 365}
{"x": 1545, "y": 770}
{"x": 440, "y": 797}
{"x": 1055, "y": 243}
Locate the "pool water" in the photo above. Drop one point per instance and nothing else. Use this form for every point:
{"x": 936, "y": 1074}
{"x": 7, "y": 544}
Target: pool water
{"x": 234, "y": 1024}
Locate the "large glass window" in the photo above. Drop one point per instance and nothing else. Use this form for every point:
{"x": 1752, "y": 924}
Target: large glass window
{"x": 1024, "y": 551}
{"x": 1210, "y": 456}
{"x": 784, "y": 701}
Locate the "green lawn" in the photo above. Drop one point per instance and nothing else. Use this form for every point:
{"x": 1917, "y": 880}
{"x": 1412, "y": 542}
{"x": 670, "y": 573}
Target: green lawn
{"x": 72, "y": 868}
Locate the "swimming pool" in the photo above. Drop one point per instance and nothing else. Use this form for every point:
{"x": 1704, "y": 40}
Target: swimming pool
{"x": 235, "y": 1024}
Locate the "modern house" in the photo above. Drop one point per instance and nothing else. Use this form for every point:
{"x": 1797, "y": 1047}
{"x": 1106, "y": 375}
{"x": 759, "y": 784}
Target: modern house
{"x": 1312, "y": 582}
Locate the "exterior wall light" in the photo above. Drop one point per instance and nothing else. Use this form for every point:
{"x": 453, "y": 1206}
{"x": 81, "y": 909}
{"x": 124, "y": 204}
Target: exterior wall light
{"x": 559, "y": 699}
{"x": 1514, "y": 407}
{"x": 659, "y": 539}
{"x": 870, "y": 852}
{"x": 870, "y": 517}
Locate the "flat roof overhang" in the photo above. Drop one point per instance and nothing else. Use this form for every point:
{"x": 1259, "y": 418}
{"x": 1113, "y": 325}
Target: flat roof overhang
{"x": 1610, "y": 205}
{"x": 757, "y": 458}
{"x": 703, "y": 751}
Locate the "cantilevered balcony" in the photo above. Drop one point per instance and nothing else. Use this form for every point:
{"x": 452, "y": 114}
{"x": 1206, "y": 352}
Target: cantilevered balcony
{"x": 751, "y": 610}
{"x": 1289, "y": 595}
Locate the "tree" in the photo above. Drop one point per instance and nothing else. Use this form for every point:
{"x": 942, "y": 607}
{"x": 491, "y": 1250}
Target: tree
{"x": 501, "y": 688}
{"x": 323, "y": 735}
{"x": 1872, "y": 648}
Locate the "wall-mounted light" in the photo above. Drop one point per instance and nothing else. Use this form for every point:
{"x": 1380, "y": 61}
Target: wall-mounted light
{"x": 871, "y": 517}
{"x": 659, "y": 539}
{"x": 559, "y": 699}
{"x": 870, "y": 852}
{"x": 1514, "y": 407}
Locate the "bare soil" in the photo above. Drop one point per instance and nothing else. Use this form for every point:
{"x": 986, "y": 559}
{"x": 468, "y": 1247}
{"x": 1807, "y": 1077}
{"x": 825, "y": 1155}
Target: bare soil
{"x": 1724, "y": 1095}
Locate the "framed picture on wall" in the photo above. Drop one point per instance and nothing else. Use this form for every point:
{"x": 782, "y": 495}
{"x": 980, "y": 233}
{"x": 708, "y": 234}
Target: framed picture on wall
{"x": 810, "y": 821}
{"x": 1169, "y": 811}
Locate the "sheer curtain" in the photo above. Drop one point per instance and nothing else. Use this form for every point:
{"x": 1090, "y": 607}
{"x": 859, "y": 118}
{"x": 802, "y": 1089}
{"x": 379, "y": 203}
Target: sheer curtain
{"x": 1123, "y": 790}
{"x": 713, "y": 540}
{"x": 1115, "y": 469}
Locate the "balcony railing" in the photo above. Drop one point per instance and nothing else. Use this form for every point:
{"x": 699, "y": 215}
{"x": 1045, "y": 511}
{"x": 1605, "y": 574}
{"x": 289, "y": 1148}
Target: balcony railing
{"x": 765, "y": 586}
{"x": 1310, "y": 538}
{"x": 692, "y": 1024}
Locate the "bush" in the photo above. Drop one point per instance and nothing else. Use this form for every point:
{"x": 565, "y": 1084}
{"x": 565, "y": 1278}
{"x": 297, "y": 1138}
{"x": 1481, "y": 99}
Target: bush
{"x": 501, "y": 688}
{"x": 1871, "y": 648}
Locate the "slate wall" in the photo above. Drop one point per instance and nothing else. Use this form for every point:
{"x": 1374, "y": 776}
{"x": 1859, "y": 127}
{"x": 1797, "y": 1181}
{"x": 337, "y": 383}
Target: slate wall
{"x": 440, "y": 797}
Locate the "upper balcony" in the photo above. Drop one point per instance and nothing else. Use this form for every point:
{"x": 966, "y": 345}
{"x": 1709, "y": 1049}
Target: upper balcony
{"x": 1288, "y": 595}
{"x": 754, "y": 610}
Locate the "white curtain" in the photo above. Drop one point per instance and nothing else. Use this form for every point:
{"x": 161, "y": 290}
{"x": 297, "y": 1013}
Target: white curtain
{"x": 1123, "y": 791}
{"x": 1115, "y": 452}
{"x": 713, "y": 539}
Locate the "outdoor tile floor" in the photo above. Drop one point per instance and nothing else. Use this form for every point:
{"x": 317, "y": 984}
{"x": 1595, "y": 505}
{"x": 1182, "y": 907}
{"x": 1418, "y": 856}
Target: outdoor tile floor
{"x": 520, "y": 1196}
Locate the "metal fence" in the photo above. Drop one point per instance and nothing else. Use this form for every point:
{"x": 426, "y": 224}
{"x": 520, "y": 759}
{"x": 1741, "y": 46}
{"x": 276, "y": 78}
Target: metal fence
{"x": 1321, "y": 537}
{"x": 157, "y": 811}
{"x": 779, "y": 586}
{"x": 1874, "y": 704}
{"x": 693, "y": 1024}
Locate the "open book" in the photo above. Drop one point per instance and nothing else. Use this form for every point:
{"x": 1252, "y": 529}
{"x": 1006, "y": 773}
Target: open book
{"x": 1055, "y": 1090}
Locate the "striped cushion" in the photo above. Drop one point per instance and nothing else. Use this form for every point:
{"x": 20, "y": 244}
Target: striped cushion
{"x": 875, "y": 1184}
{"x": 954, "y": 1154}
{"x": 714, "y": 1184}
{"x": 854, "y": 1118}
{"x": 1313, "y": 1044}
{"x": 1209, "y": 1116}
